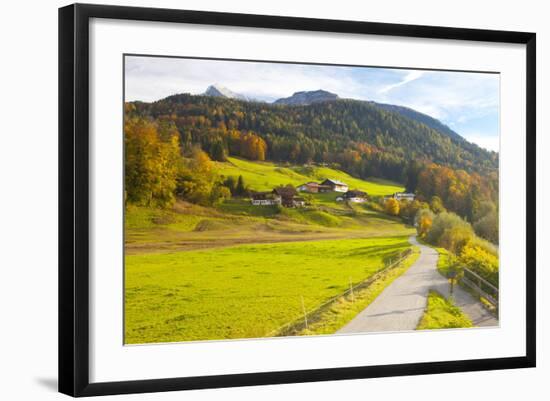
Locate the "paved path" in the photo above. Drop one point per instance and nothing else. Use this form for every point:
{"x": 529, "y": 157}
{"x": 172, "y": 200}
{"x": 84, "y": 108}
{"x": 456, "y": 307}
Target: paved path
{"x": 401, "y": 305}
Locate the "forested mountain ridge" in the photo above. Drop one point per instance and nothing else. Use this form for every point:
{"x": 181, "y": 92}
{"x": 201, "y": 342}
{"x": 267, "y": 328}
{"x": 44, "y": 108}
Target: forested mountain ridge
{"x": 364, "y": 138}
{"x": 170, "y": 144}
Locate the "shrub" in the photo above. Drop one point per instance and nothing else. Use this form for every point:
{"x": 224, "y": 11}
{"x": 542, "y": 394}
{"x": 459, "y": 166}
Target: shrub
{"x": 456, "y": 238}
{"x": 408, "y": 210}
{"x": 423, "y": 222}
{"x": 446, "y": 221}
{"x": 487, "y": 226}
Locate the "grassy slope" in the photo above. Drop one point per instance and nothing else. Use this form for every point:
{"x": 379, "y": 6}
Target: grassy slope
{"x": 264, "y": 176}
{"x": 242, "y": 291}
{"x": 188, "y": 227}
{"x": 441, "y": 313}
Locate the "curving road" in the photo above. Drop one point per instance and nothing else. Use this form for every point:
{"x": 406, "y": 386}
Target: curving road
{"x": 401, "y": 305}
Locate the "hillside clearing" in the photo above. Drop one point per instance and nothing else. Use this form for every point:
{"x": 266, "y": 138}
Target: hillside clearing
{"x": 263, "y": 176}
{"x": 188, "y": 227}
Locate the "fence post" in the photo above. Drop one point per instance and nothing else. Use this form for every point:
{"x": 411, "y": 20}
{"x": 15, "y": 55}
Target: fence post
{"x": 304, "y": 310}
{"x": 351, "y": 290}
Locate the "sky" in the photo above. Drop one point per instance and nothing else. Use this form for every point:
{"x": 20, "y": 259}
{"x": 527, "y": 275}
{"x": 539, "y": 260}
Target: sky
{"x": 467, "y": 102}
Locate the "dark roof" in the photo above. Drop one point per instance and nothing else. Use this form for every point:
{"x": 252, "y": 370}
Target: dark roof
{"x": 355, "y": 194}
{"x": 285, "y": 191}
{"x": 335, "y": 182}
{"x": 261, "y": 195}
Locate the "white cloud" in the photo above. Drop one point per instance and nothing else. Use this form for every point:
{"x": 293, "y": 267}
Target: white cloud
{"x": 149, "y": 79}
{"x": 409, "y": 77}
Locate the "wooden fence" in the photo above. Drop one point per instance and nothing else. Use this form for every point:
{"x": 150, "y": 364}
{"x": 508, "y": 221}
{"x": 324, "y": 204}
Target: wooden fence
{"x": 311, "y": 316}
{"x": 481, "y": 287}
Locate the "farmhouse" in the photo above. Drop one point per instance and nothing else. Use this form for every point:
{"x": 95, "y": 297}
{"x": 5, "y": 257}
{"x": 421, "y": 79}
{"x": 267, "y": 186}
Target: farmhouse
{"x": 355, "y": 196}
{"x": 313, "y": 188}
{"x": 404, "y": 196}
{"x": 287, "y": 195}
{"x": 265, "y": 199}
{"x": 335, "y": 185}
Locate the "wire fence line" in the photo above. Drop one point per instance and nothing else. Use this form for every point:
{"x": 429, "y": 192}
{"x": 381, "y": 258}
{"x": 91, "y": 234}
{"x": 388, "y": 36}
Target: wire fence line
{"x": 481, "y": 287}
{"x": 313, "y": 315}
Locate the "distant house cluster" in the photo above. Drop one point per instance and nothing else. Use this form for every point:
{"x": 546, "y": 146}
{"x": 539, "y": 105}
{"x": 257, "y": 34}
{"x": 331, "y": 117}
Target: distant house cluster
{"x": 285, "y": 196}
{"x": 288, "y": 196}
{"x": 313, "y": 188}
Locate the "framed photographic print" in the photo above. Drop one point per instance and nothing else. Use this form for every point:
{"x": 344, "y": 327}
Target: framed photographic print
{"x": 250, "y": 199}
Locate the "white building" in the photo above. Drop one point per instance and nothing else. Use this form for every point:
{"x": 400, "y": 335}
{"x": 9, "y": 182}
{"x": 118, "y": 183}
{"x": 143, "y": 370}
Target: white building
{"x": 265, "y": 199}
{"x": 404, "y": 196}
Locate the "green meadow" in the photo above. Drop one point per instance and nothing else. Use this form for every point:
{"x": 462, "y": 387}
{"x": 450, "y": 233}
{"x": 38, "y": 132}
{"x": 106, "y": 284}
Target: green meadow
{"x": 235, "y": 270}
{"x": 242, "y": 291}
{"x": 262, "y": 176}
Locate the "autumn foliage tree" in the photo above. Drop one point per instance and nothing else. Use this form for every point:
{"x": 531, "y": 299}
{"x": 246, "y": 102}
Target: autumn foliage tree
{"x": 151, "y": 163}
{"x": 253, "y": 147}
{"x": 198, "y": 181}
{"x": 391, "y": 206}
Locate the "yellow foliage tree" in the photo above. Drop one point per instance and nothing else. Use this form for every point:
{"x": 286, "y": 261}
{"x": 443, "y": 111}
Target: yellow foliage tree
{"x": 424, "y": 225}
{"x": 151, "y": 163}
{"x": 392, "y": 206}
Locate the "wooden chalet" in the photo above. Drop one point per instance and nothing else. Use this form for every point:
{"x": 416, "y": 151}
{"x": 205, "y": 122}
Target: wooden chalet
{"x": 335, "y": 185}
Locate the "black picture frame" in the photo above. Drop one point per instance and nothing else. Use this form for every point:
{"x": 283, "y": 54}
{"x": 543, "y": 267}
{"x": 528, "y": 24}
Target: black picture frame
{"x": 74, "y": 198}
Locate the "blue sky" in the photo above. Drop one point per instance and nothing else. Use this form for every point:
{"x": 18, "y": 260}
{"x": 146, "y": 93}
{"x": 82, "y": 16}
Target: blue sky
{"x": 466, "y": 102}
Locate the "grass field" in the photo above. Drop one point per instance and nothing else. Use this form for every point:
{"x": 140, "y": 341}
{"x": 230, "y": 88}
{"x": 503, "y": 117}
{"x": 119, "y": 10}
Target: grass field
{"x": 441, "y": 313}
{"x": 263, "y": 176}
{"x": 242, "y": 291}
